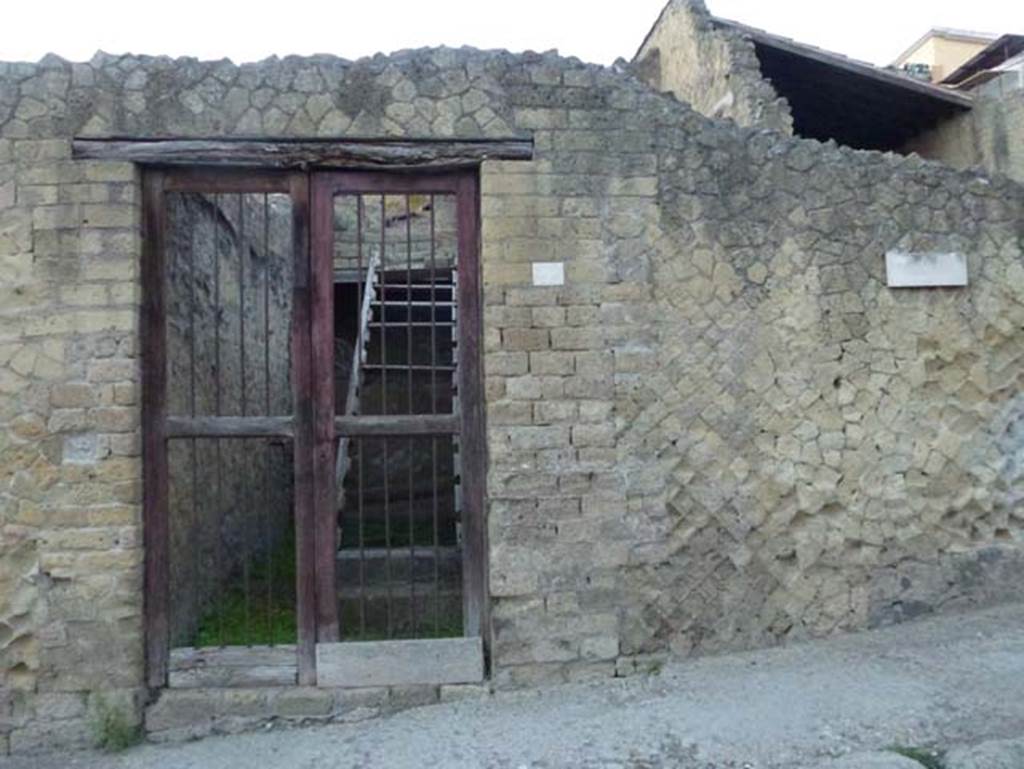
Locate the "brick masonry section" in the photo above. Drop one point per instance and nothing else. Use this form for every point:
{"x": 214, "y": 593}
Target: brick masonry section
{"x": 723, "y": 431}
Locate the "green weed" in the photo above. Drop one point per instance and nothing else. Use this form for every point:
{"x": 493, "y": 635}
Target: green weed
{"x": 929, "y": 759}
{"x": 114, "y": 729}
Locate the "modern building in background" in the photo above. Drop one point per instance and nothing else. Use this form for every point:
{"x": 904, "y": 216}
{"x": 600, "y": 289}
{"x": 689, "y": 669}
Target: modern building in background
{"x": 940, "y": 51}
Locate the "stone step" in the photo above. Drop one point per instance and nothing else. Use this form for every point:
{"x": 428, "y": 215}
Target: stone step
{"x": 186, "y": 714}
{"x": 376, "y": 565}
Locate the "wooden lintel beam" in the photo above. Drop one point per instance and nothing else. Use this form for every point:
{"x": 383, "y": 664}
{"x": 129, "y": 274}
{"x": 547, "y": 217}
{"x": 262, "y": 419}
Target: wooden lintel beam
{"x": 287, "y": 153}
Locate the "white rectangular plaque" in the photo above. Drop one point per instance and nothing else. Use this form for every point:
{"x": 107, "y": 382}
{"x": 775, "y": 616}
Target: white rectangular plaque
{"x": 549, "y": 273}
{"x": 909, "y": 270}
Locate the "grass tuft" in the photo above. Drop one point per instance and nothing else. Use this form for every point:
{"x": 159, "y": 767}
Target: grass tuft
{"x": 930, "y": 759}
{"x": 114, "y": 730}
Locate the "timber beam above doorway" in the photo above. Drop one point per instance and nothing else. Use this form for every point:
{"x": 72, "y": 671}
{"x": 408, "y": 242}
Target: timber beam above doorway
{"x": 291, "y": 153}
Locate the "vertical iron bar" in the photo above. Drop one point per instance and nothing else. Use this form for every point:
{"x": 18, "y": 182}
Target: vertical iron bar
{"x": 409, "y": 363}
{"x": 360, "y": 289}
{"x": 269, "y": 541}
{"x": 433, "y": 310}
{"x": 433, "y": 410}
{"x": 218, "y": 482}
{"x": 408, "y": 296}
{"x": 244, "y": 458}
{"x": 362, "y": 539}
{"x": 241, "y": 301}
{"x": 384, "y": 405}
{"x": 197, "y": 593}
{"x": 383, "y": 272}
{"x": 387, "y": 539}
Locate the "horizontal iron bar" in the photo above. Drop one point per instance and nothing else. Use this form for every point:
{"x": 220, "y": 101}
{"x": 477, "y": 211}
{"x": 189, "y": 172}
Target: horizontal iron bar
{"x": 229, "y": 427}
{"x": 405, "y": 366}
{"x": 410, "y": 424}
{"x": 395, "y": 277}
{"x": 326, "y": 153}
{"x": 398, "y": 325}
{"x": 398, "y": 304}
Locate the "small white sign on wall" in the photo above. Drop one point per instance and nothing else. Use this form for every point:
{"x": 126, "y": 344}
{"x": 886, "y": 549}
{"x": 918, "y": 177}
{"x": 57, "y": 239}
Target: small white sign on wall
{"x": 549, "y": 273}
{"x": 80, "y": 449}
{"x": 935, "y": 269}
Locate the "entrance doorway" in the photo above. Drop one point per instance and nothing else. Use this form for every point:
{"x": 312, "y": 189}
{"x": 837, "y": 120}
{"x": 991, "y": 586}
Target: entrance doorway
{"x": 313, "y": 428}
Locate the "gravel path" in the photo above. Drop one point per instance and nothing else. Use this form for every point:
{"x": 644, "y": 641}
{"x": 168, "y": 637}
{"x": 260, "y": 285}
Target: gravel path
{"x": 939, "y": 682}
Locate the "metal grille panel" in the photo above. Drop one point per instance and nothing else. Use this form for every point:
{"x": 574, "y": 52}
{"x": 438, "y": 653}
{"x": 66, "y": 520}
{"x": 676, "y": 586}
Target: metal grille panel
{"x": 228, "y": 276}
{"x": 396, "y": 347}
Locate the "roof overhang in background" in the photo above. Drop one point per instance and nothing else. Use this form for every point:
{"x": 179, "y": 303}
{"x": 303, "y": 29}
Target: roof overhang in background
{"x": 983, "y": 66}
{"x": 854, "y": 103}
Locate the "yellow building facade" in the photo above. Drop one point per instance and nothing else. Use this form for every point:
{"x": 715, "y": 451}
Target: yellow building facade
{"x": 943, "y": 50}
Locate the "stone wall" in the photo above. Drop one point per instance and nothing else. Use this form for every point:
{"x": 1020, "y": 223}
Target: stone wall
{"x": 990, "y": 136}
{"x": 70, "y": 540}
{"x": 712, "y": 68}
{"x": 724, "y": 431}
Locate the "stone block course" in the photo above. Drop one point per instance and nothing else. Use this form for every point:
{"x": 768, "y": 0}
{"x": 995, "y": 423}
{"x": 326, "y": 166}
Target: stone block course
{"x": 554, "y": 412}
{"x": 525, "y": 339}
{"x": 581, "y": 338}
{"x": 547, "y": 317}
{"x": 552, "y": 363}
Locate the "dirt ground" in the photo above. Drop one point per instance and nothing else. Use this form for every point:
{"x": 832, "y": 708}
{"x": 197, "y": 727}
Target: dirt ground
{"x": 947, "y": 683}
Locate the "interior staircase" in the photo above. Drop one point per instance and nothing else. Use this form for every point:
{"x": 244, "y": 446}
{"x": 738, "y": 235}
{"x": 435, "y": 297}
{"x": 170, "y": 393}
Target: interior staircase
{"x": 398, "y": 301}
{"x": 342, "y": 461}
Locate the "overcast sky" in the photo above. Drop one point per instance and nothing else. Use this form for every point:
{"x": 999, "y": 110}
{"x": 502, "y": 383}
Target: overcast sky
{"x": 594, "y": 30}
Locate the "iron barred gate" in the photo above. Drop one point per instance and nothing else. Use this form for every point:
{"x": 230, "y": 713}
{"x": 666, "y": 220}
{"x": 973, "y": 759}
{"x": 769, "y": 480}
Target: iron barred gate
{"x": 313, "y": 428}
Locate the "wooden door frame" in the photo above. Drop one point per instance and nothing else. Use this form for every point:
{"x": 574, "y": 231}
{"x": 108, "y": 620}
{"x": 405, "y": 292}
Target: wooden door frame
{"x": 157, "y": 428}
{"x": 314, "y": 426}
{"x": 464, "y": 185}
